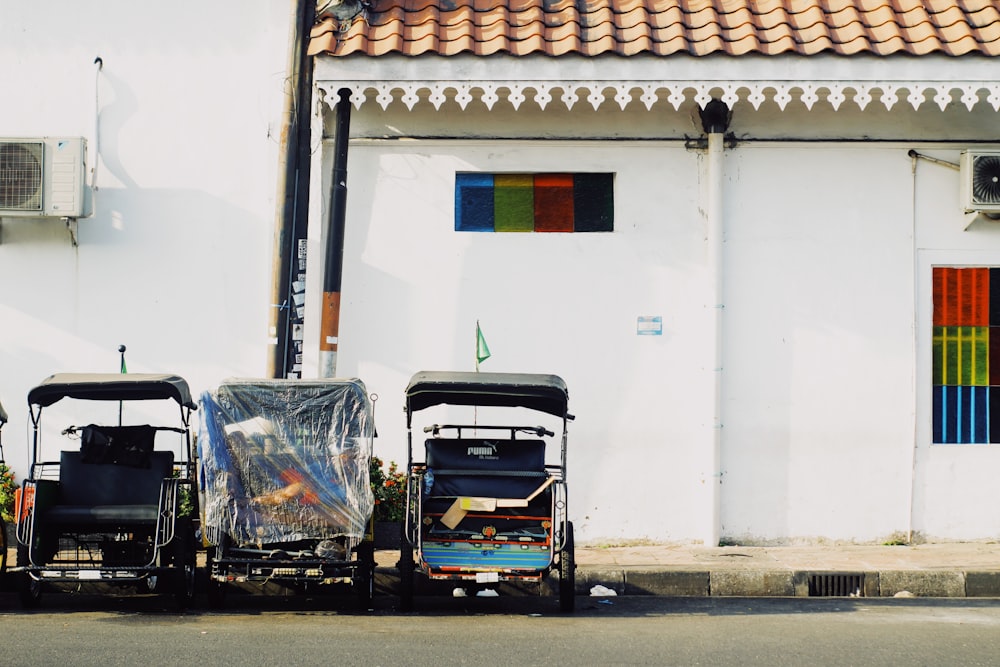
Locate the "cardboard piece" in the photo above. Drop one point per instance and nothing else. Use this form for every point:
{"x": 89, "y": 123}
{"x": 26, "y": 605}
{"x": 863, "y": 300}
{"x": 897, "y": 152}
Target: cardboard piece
{"x": 465, "y": 504}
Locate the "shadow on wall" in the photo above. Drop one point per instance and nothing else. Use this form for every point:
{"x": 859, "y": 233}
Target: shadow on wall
{"x": 178, "y": 275}
{"x": 155, "y": 220}
{"x": 110, "y": 119}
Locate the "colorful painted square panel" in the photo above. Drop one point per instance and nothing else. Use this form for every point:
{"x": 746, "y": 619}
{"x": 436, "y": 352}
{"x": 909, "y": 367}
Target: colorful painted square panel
{"x": 534, "y": 202}
{"x": 966, "y": 384}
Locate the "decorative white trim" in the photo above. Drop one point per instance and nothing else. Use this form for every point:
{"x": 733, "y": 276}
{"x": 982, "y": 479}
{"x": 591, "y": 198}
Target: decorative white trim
{"x": 650, "y": 93}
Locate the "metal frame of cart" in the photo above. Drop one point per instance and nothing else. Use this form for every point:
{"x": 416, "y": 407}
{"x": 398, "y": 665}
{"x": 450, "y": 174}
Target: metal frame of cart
{"x": 484, "y": 505}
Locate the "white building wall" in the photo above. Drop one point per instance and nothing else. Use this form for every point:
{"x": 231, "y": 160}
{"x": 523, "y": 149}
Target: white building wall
{"x": 819, "y": 343}
{"x": 175, "y": 261}
{"x": 955, "y": 489}
{"x": 826, "y": 399}
{"x": 553, "y": 303}
{"x": 828, "y": 253}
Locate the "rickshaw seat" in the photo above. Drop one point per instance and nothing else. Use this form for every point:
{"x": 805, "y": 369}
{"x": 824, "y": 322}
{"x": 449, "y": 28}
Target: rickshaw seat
{"x": 109, "y": 493}
{"x": 485, "y": 466}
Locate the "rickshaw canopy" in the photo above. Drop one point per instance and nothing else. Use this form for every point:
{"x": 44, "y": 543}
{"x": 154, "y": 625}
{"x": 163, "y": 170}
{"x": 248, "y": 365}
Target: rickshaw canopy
{"x": 112, "y": 387}
{"x": 3, "y": 416}
{"x": 535, "y": 391}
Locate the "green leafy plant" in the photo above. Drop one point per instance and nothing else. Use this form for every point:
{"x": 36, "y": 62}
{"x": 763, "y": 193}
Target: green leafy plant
{"x": 7, "y": 488}
{"x": 185, "y": 497}
{"x": 389, "y": 489}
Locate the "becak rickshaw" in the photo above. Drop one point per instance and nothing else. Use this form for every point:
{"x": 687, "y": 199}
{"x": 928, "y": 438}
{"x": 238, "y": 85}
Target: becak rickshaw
{"x": 284, "y": 471}
{"x": 111, "y": 503}
{"x": 487, "y": 503}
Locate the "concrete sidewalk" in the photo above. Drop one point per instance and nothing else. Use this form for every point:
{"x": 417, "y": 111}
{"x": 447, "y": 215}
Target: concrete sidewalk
{"x": 927, "y": 570}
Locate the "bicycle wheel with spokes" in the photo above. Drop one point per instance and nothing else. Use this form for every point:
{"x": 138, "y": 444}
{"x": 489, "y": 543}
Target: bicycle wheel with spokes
{"x": 29, "y": 589}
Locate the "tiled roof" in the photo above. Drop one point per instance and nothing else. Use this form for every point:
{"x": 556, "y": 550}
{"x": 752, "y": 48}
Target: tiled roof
{"x": 664, "y": 27}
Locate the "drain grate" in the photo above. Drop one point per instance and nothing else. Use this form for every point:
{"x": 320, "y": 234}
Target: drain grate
{"x": 839, "y": 584}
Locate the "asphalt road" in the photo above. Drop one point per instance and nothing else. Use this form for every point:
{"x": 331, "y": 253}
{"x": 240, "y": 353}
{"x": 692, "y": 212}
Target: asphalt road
{"x": 273, "y": 631}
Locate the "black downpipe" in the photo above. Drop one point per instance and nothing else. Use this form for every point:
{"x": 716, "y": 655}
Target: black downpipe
{"x": 338, "y": 200}
{"x": 334, "y": 257}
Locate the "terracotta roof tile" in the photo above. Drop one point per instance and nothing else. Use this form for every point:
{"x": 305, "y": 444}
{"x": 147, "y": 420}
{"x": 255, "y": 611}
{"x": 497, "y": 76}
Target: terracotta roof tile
{"x": 664, "y": 27}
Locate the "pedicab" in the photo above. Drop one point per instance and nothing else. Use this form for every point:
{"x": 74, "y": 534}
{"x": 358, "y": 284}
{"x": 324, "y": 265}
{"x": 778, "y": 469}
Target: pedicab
{"x": 106, "y": 503}
{"x": 284, "y": 477}
{"x": 485, "y": 505}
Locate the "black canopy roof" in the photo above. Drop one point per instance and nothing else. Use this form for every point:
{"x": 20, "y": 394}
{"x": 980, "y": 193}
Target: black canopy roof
{"x": 111, "y": 387}
{"x": 545, "y": 393}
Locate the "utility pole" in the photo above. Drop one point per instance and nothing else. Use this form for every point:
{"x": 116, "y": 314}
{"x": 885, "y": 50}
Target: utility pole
{"x": 292, "y": 189}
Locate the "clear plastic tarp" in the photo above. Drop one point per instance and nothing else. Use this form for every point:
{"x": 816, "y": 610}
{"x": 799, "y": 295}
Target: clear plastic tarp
{"x": 285, "y": 460}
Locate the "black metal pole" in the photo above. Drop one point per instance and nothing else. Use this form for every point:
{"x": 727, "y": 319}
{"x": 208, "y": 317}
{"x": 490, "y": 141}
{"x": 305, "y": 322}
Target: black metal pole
{"x": 333, "y": 266}
{"x": 121, "y": 369}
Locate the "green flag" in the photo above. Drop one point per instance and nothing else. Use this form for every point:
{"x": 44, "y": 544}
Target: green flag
{"x": 482, "y": 349}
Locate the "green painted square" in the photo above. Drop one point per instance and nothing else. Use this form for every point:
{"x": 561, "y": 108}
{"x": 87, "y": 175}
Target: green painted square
{"x": 961, "y": 356}
{"x": 513, "y": 203}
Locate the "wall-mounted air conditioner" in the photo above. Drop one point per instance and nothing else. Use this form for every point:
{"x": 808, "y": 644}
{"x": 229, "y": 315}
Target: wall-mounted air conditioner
{"x": 43, "y": 177}
{"x": 980, "y": 175}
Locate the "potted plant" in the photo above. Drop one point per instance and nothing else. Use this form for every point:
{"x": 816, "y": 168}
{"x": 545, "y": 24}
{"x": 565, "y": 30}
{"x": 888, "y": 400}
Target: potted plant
{"x": 389, "y": 488}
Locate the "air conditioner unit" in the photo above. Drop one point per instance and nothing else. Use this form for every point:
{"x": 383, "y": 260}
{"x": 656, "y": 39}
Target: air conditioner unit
{"x": 980, "y": 174}
{"x": 43, "y": 177}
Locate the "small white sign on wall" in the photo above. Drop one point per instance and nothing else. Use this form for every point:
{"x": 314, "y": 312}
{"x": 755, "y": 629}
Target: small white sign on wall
{"x": 649, "y": 325}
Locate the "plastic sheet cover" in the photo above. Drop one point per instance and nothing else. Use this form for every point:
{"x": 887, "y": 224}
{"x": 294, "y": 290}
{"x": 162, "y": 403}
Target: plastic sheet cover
{"x": 285, "y": 460}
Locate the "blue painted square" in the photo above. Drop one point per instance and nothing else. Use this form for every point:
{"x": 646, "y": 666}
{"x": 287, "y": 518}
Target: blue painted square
{"x": 474, "y": 203}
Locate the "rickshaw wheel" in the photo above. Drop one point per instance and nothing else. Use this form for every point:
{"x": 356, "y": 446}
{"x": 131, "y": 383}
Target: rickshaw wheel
{"x": 216, "y": 589}
{"x": 3, "y": 546}
{"x": 216, "y": 594}
{"x": 29, "y": 591}
{"x": 364, "y": 575}
{"x": 567, "y": 572}
{"x": 184, "y": 586}
{"x": 406, "y": 574}
{"x": 184, "y": 561}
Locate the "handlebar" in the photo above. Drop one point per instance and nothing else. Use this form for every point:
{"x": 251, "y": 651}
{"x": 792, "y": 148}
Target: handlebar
{"x": 539, "y": 431}
{"x": 73, "y": 430}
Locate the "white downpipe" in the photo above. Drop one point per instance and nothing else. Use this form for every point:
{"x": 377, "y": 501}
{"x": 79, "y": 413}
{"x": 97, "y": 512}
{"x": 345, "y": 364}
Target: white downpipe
{"x": 716, "y": 231}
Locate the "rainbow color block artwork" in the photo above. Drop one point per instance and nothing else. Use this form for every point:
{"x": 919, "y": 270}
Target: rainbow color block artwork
{"x": 966, "y": 386}
{"x": 534, "y": 202}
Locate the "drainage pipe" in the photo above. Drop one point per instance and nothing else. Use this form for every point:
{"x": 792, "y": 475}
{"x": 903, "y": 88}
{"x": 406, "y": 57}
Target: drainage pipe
{"x": 279, "y": 304}
{"x": 333, "y": 267}
{"x": 715, "y": 120}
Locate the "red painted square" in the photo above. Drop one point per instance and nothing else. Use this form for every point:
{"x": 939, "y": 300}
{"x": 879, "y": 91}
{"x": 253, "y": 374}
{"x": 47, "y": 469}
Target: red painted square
{"x": 961, "y": 297}
{"x": 554, "y": 203}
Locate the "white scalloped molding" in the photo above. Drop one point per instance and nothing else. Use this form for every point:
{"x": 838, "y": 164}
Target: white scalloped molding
{"x": 813, "y": 94}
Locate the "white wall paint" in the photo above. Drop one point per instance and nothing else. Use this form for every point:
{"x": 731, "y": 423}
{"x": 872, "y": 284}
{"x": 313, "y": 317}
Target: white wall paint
{"x": 828, "y": 253}
{"x": 174, "y": 262}
{"x": 555, "y": 303}
{"x": 820, "y": 383}
{"x": 819, "y": 343}
{"x": 955, "y": 490}
{"x": 818, "y": 327}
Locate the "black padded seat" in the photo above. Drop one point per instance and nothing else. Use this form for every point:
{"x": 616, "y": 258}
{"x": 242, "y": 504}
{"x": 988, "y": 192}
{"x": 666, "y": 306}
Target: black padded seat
{"x": 485, "y": 467}
{"x": 92, "y": 494}
{"x": 488, "y": 468}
